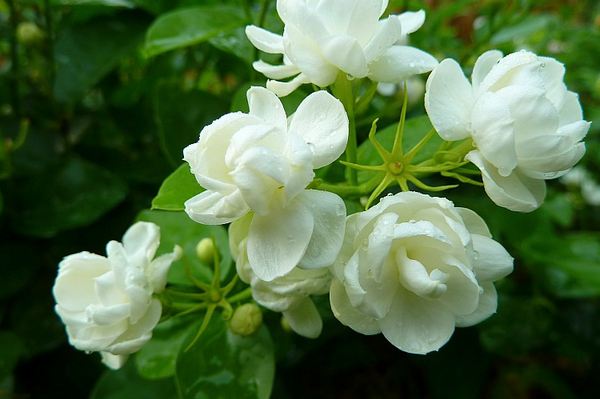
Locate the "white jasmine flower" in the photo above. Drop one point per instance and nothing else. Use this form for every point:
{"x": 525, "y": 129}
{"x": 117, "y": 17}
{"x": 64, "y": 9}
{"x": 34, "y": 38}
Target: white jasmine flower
{"x": 290, "y": 293}
{"x": 106, "y": 303}
{"x": 261, "y": 163}
{"x": 323, "y": 37}
{"x": 525, "y": 125}
{"x": 413, "y": 267}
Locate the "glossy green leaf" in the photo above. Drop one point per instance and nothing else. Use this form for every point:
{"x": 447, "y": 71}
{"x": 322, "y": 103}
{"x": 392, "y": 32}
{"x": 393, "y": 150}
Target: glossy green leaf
{"x": 157, "y": 358}
{"x": 176, "y": 228}
{"x": 222, "y": 365}
{"x": 107, "y": 3}
{"x": 177, "y": 188}
{"x": 188, "y": 26}
{"x": 127, "y": 384}
{"x": 414, "y": 130}
{"x": 525, "y": 28}
{"x": 85, "y": 53}
{"x": 73, "y": 195}
{"x": 178, "y": 129}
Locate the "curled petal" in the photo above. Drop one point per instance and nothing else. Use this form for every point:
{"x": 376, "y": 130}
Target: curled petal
{"x": 416, "y": 325}
{"x": 515, "y": 191}
{"x": 213, "y": 208}
{"x": 399, "y": 63}
{"x": 449, "y": 101}
{"x": 323, "y": 123}
{"x": 347, "y": 314}
{"x": 304, "y": 318}
{"x": 264, "y": 40}
{"x": 329, "y": 215}
{"x": 411, "y": 21}
{"x": 276, "y": 71}
{"x": 277, "y": 242}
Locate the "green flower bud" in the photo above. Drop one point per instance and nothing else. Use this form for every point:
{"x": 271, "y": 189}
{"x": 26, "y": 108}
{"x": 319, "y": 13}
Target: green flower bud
{"x": 246, "y": 319}
{"x": 29, "y": 33}
{"x": 285, "y": 325}
{"x": 205, "y": 250}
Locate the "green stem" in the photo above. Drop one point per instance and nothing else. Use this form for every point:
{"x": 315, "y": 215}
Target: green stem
{"x": 344, "y": 190}
{"x": 342, "y": 89}
{"x": 397, "y": 150}
{"x": 217, "y": 266}
{"x": 189, "y": 295}
{"x": 205, "y": 321}
{"x": 240, "y": 296}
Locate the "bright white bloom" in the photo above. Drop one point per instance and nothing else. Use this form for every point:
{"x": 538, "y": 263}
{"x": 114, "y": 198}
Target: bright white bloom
{"x": 525, "y": 125}
{"x": 262, "y": 162}
{"x": 106, "y": 303}
{"x": 413, "y": 267}
{"x": 290, "y": 293}
{"x": 323, "y": 37}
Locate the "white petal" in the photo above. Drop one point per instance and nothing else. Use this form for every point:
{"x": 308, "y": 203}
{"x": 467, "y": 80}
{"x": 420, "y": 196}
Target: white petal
{"x": 417, "y": 325}
{"x": 276, "y": 71}
{"x": 345, "y": 53}
{"x": 304, "y": 319}
{"x": 449, "y": 101}
{"x": 488, "y": 302}
{"x": 214, "y": 208}
{"x": 282, "y": 89}
{"x": 493, "y": 132}
{"x": 348, "y": 315}
{"x": 356, "y": 17}
{"x": 411, "y": 21}
{"x": 515, "y": 68}
{"x": 329, "y": 215}
{"x": 139, "y": 333}
{"x": 74, "y": 286}
{"x": 113, "y": 362}
{"x": 551, "y": 156}
{"x": 264, "y": 40}
{"x": 323, "y": 123}
{"x": 399, "y": 63}
{"x": 553, "y": 73}
{"x": 571, "y": 109}
{"x": 141, "y": 242}
{"x": 265, "y": 105}
{"x": 238, "y": 231}
{"x": 388, "y": 32}
{"x": 462, "y": 295}
{"x": 483, "y": 66}
{"x": 492, "y": 261}
{"x": 515, "y": 191}
{"x": 277, "y": 242}
{"x": 159, "y": 268}
{"x": 474, "y": 223}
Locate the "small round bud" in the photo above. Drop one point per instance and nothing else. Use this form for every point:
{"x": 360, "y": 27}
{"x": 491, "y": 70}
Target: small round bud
{"x": 246, "y": 319}
{"x": 29, "y": 33}
{"x": 285, "y": 325}
{"x": 205, "y": 250}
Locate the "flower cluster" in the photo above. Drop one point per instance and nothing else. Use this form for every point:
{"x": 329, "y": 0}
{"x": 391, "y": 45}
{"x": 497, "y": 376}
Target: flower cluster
{"x": 412, "y": 267}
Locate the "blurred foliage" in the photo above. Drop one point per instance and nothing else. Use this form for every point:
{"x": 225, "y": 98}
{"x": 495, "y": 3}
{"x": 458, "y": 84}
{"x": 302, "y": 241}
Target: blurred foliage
{"x": 98, "y": 99}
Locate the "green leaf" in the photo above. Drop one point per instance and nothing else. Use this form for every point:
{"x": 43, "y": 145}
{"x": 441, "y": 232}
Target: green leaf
{"x": 85, "y": 53}
{"x": 11, "y": 348}
{"x": 569, "y": 265}
{"x": 177, "y": 228}
{"x": 525, "y": 28}
{"x": 176, "y": 128}
{"x": 414, "y": 130}
{"x": 222, "y": 365}
{"x": 236, "y": 43}
{"x": 177, "y": 188}
{"x": 188, "y": 26}
{"x": 75, "y": 194}
{"x": 157, "y": 358}
{"x": 127, "y": 384}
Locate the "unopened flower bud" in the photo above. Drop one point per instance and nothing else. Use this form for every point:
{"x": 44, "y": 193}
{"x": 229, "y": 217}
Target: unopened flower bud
{"x": 246, "y": 319}
{"x": 29, "y": 33}
{"x": 205, "y": 250}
